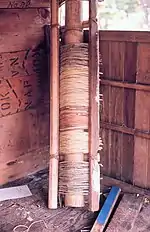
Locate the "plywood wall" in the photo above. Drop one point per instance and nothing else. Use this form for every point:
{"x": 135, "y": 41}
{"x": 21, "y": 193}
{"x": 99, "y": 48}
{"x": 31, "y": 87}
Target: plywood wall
{"x": 24, "y": 90}
{"x": 125, "y": 119}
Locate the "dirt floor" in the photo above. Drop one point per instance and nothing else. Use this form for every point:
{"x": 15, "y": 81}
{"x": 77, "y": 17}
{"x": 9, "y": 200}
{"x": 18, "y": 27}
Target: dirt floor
{"x": 31, "y": 209}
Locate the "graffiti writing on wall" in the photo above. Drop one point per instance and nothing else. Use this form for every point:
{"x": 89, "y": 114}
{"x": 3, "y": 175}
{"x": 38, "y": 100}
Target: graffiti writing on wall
{"x": 22, "y": 63}
{"x": 19, "y": 4}
{"x": 18, "y": 94}
{"x": 19, "y": 80}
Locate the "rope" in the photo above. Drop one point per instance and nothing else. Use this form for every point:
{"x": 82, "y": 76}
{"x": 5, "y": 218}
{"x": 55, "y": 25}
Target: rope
{"x": 74, "y": 114}
{"x": 73, "y": 141}
{"x": 74, "y": 177}
{"x": 23, "y": 228}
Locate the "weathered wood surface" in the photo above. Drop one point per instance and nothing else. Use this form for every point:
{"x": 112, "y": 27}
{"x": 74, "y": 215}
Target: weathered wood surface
{"x": 24, "y": 144}
{"x": 142, "y": 119}
{"x": 94, "y": 108}
{"x": 128, "y": 36}
{"x": 24, "y": 93}
{"x": 23, "y": 4}
{"x": 23, "y": 211}
{"x": 25, "y": 30}
{"x": 142, "y": 145}
{"x": 142, "y": 222}
{"x": 108, "y": 182}
{"x": 126, "y": 214}
{"x": 126, "y": 109}
{"x": 105, "y": 212}
{"x": 54, "y": 107}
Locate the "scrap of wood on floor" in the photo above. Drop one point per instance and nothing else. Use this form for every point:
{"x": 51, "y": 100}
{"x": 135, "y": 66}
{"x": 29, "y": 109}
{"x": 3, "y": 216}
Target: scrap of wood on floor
{"x": 106, "y": 210}
{"x": 126, "y": 214}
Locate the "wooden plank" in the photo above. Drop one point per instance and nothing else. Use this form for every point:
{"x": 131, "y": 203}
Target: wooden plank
{"x": 143, "y": 63}
{"x": 54, "y": 107}
{"x": 142, "y": 145}
{"x": 127, "y": 213}
{"x": 128, "y": 114}
{"x": 14, "y": 36}
{"x": 104, "y": 51}
{"x": 142, "y": 221}
{"x": 24, "y": 165}
{"x": 104, "y": 156}
{"x": 126, "y": 130}
{"x": 24, "y": 4}
{"x": 105, "y": 109}
{"x": 94, "y": 107}
{"x": 16, "y": 141}
{"x": 128, "y": 158}
{"x": 18, "y": 94}
{"x": 127, "y": 85}
{"x": 106, "y": 210}
{"x": 23, "y": 151}
{"x": 116, "y": 96}
{"x": 116, "y": 60}
{"x": 23, "y": 63}
{"x": 108, "y": 182}
{"x": 128, "y": 36}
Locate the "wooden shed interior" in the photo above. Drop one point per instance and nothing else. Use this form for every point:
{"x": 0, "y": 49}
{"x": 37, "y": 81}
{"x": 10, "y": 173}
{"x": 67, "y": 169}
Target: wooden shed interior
{"x": 26, "y": 30}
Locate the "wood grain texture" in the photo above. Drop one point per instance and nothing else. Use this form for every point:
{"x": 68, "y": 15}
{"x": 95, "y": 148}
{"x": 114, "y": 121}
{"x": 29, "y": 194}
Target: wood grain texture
{"x": 18, "y": 95}
{"x": 22, "y": 63}
{"x": 23, "y": 4}
{"x": 113, "y": 54}
{"x": 94, "y": 190}
{"x": 142, "y": 120}
{"x": 116, "y": 72}
{"x": 142, "y": 145}
{"x": 54, "y": 107}
{"x": 105, "y": 109}
{"x": 125, "y": 115}
{"x": 22, "y": 133}
{"x": 14, "y": 36}
{"x": 106, "y": 210}
{"x": 108, "y": 182}
{"x": 126, "y": 214}
{"x": 129, "y": 110}
{"x": 20, "y": 211}
{"x": 142, "y": 222}
{"x": 24, "y": 93}
{"x": 143, "y": 64}
{"x": 128, "y": 36}
{"x": 126, "y": 85}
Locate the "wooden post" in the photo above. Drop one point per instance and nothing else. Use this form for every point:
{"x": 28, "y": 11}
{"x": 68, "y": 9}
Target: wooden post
{"x": 54, "y": 107}
{"x": 73, "y": 25}
{"x": 94, "y": 107}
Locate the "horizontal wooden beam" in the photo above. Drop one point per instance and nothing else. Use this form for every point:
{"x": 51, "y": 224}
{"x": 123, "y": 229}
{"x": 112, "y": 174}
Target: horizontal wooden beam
{"x": 62, "y": 1}
{"x": 127, "y": 85}
{"x": 128, "y": 36}
{"x": 108, "y": 182}
{"x": 24, "y": 4}
{"x": 126, "y": 130}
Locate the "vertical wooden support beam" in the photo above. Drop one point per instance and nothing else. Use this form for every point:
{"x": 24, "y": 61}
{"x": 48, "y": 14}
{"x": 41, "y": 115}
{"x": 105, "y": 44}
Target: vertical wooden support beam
{"x": 94, "y": 107}
{"x": 73, "y": 25}
{"x": 54, "y": 107}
